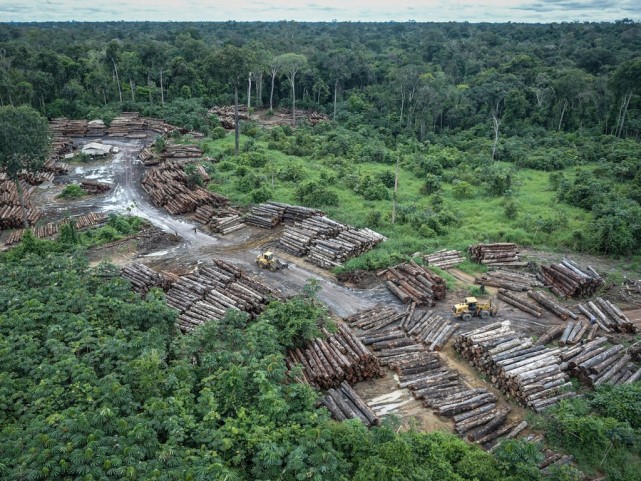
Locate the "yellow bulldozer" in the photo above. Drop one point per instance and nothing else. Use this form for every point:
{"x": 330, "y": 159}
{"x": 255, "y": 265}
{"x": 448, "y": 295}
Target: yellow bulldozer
{"x": 266, "y": 260}
{"x": 473, "y": 307}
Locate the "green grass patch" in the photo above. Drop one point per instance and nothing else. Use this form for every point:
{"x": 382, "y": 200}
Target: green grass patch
{"x": 72, "y": 191}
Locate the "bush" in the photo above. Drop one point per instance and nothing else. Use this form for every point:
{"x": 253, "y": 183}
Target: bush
{"x": 262, "y": 194}
{"x": 72, "y": 191}
{"x": 431, "y": 185}
{"x": 462, "y": 190}
{"x": 312, "y": 194}
{"x": 218, "y": 133}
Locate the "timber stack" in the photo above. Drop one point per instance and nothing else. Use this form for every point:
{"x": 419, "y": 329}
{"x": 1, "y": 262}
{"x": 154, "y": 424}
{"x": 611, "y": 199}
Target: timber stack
{"x": 181, "y": 151}
{"x": 227, "y": 225}
{"x": 344, "y": 403}
{"x": 226, "y": 115}
{"x": 160, "y": 126}
{"x": 11, "y": 214}
{"x": 498, "y": 254}
{"x": 607, "y": 315}
{"x": 143, "y": 279}
{"x": 574, "y": 332}
{"x": 266, "y": 216}
{"x": 519, "y": 302}
{"x": 551, "y": 305}
{"x": 411, "y": 282}
{"x": 169, "y": 187}
{"x": 128, "y": 124}
{"x": 63, "y": 127}
{"x": 568, "y": 279}
{"x": 337, "y": 357}
{"x": 214, "y": 288}
{"x": 348, "y": 243}
{"x": 94, "y": 187}
{"x": 96, "y": 128}
{"x": 297, "y": 239}
{"x": 148, "y": 156}
{"x": 596, "y": 363}
{"x": 510, "y": 280}
{"x": 529, "y": 373}
{"x": 444, "y": 259}
{"x": 92, "y": 219}
{"x": 430, "y": 329}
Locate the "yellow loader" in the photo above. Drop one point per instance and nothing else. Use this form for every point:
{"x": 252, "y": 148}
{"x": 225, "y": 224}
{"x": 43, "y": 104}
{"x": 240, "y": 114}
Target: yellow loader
{"x": 266, "y": 260}
{"x": 473, "y": 307}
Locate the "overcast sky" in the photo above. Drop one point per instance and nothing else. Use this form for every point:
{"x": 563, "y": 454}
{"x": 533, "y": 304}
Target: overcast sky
{"x": 322, "y": 10}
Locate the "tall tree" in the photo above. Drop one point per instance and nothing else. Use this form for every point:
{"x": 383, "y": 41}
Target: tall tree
{"x": 291, "y": 64}
{"x": 232, "y": 65}
{"x": 24, "y": 145}
{"x": 626, "y": 82}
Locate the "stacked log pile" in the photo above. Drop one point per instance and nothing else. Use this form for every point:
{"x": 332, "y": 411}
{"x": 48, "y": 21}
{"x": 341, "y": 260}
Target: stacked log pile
{"x": 519, "y": 302}
{"x": 552, "y": 306}
{"x": 338, "y": 357}
{"x": 160, "y": 126}
{"x": 181, "y": 151}
{"x": 96, "y": 128}
{"x": 227, "y": 225}
{"x": 411, "y": 282}
{"x": 297, "y": 239}
{"x": 510, "y": 280}
{"x": 529, "y": 373}
{"x": 430, "y": 329}
{"x": 574, "y": 333}
{"x": 552, "y": 460}
{"x": 311, "y": 116}
{"x": 92, "y": 219}
{"x": 498, "y": 254}
{"x": 569, "y": 279}
{"x": 595, "y": 363}
{"x": 94, "y": 187}
{"x": 607, "y": 315}
{"x": 63, "y": 127}
{"x": 226, "y": 115}
{"x": 214, "y": 288}
{"x": 345, "y": 403}
{"x": 143, "y": 279}
{"x": 128, "y": 124}
{"x": 348, "y": 243}
{"x": 11, "y": 214}
{"x": 444, "y": 258}
{"x": 267, "y": 215}
{"x": 168, "y": 186}
{"x": 148, "y": 156}
{"x": 60, "y": 147}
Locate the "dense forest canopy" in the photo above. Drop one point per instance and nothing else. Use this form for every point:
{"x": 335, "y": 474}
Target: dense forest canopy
{"x": 412, "y": 77}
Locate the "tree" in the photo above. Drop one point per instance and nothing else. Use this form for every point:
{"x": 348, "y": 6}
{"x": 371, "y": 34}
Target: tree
{"x": 232, "y": 65}
{"x": 625, "y": 83}
{"x": 291, "y": 64}
{"x": 24, "y": 145}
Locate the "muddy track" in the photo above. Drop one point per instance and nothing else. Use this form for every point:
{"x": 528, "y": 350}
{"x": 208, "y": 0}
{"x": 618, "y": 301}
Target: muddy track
{"x": 124, "y": 171}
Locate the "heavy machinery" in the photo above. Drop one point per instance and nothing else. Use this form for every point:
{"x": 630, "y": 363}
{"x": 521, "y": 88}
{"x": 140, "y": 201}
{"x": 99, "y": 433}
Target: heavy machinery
{"x": 266, "y": 260}
{"x": 473, "y": 307}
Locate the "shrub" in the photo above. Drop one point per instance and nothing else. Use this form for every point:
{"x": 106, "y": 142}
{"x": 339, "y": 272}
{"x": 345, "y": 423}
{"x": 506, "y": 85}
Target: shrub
{"x": 462, "y": 190}
{"x": 218, "y": 133}
{"x": 431, "y": 184}
{"x": 72, "y": 191}
{"x": 263, "y": 194}
{"x": 313, "y": 194}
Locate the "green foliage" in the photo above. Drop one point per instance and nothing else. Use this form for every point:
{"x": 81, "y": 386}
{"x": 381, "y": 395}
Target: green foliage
{"x": 262, "y": 194}
{"x": 462, "y": 190}
{"x": 194, "y": 178}
{"x": 313, "y": 194}
{"x": 72, "y": 191}
{"x": 218, "y": 133}
{"x": 24, "y": 140}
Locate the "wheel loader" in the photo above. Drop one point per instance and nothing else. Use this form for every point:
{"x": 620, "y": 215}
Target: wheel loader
{"x": 266, "y": 260}
{"x": 473, "y": 307}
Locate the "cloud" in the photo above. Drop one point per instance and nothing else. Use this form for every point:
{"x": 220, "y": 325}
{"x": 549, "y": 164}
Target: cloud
{"x": 321, "y": 10}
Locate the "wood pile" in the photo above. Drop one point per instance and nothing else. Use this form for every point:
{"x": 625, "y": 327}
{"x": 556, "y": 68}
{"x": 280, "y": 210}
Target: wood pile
{"x": 148, "y": 156}
{"x": 569, "y": 279}
{"x": 348, "y": 243}
{"x": 510, "y": 280}
{"x": 344, "y": 403}
{"x": 11, "y": 214}
{"x": 226, "y": 115}
{"x": 297, "y": 239}
{"x": 96, "y": 128}
{"x": 595, "y": 363}
{"x": 430, "y": 329}
{"x": 338, "y": 357}
{"x": 143, "y": 279}
{"x": 311, "y": 116}
{"x": 128, "y": 124}
{"x": 529, "y": 373}
{"x": 36, "y": 178}
{"x": 168, "y": 186}
{"x": 227, "y": 225}
{"x": 160, "y": 126}
{"x": 411, "y": 282}
{"x": 267, "y": 215}
{"x": 498, "y": 254}
{"x": 554, "y": 460}
{"x": 181, "y": 151}
{"x": 94, "y": 187}
{"x": 63, "y": 127}
{"x": 519, "y": 302}
{"x": 444, "y": 258}
{"x": 92, "y": 219}
{"x": 552, "y": 306}
{"x": 574, "y": 333}
{"x": 214, "y": 288}
{"x": 607, "y": 315}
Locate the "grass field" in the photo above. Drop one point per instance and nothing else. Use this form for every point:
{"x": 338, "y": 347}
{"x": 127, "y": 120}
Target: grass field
{"x": 477, "y": 217}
